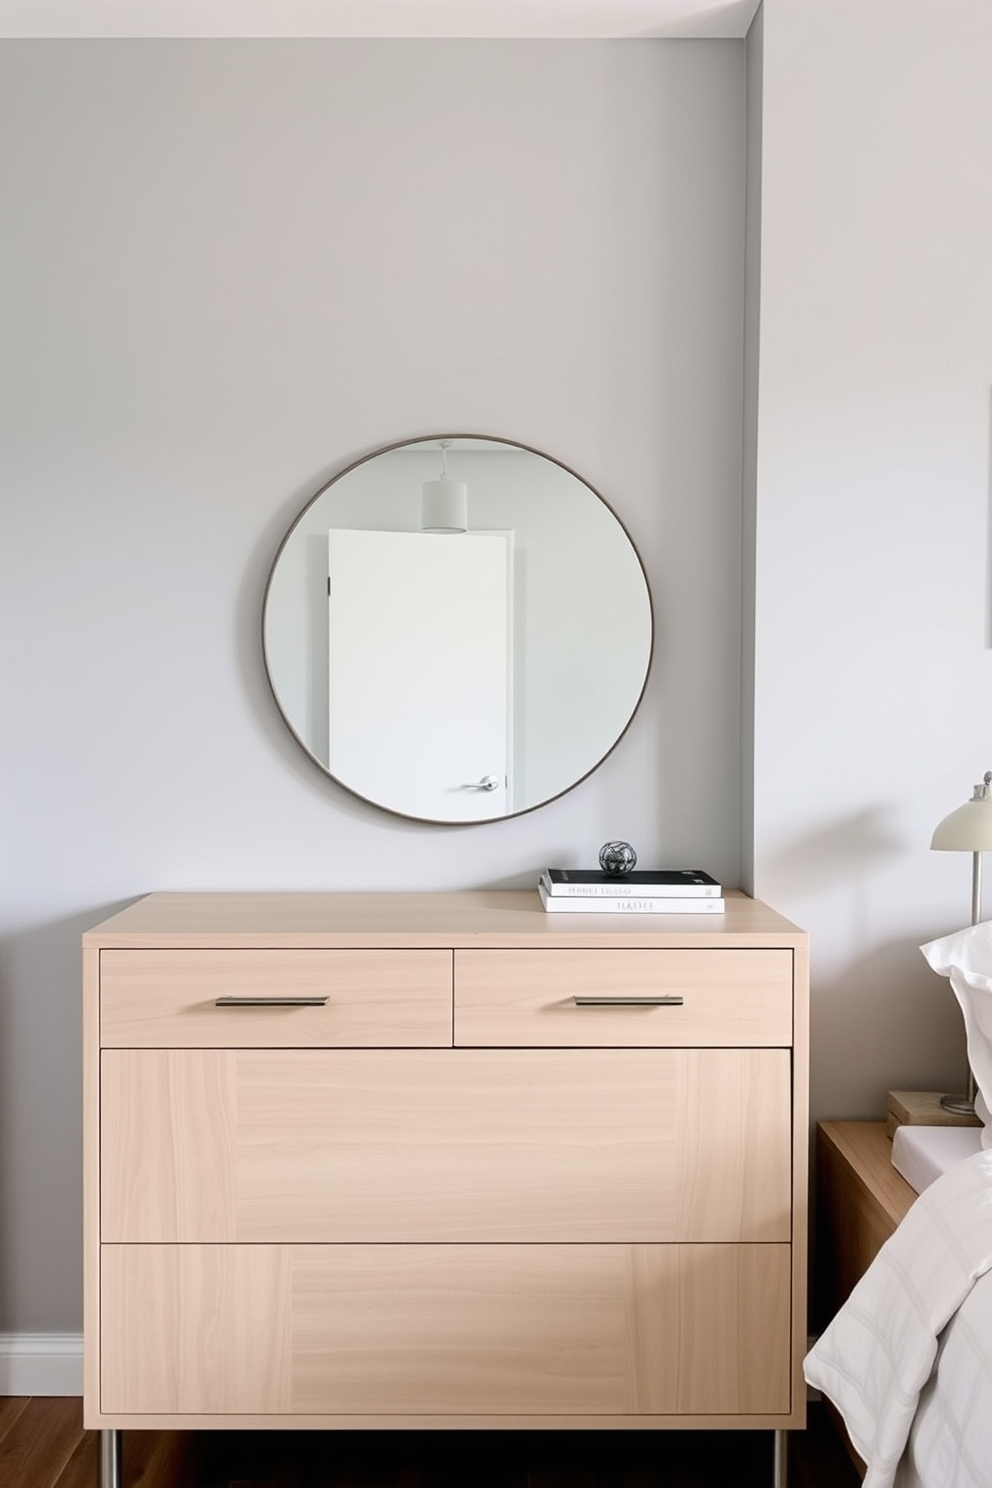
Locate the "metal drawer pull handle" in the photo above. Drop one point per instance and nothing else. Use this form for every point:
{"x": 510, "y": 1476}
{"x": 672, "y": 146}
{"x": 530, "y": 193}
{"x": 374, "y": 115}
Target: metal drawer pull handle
{"x": 659, "y": 1001}
{"x": 270, "y": 1002}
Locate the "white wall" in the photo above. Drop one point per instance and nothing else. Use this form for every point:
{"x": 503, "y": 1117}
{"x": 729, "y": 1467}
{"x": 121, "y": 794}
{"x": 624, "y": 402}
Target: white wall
{"x": 873, "y": 704}
{"x": 229, "y": 269}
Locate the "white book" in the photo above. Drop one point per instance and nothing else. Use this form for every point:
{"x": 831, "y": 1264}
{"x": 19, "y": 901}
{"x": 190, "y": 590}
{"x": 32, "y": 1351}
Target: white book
{"x": 563, "y": 904}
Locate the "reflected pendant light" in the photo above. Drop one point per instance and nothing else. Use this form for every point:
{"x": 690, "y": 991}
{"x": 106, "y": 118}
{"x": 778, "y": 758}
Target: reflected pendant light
{"x": 444, "y": 502}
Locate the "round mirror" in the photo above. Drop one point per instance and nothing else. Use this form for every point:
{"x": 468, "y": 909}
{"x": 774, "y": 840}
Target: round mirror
{"x": 457, "y": 629}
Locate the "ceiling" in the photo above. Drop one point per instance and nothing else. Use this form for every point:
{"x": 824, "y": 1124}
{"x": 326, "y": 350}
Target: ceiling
{"x": 426, "y": 18}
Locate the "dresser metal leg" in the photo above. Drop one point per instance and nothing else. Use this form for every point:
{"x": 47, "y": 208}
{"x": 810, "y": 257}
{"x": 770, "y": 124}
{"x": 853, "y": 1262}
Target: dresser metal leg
{"x": 111, "y": 1459}
{"x": 780, "y": 1471}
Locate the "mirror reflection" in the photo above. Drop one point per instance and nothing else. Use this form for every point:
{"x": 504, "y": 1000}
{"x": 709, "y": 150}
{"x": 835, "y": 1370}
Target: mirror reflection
{"x": 457, "y": 629}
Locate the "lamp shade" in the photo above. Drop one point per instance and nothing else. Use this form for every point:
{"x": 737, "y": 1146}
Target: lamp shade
{"x": 444, "y": 505}
{"x": 969, "y": 828}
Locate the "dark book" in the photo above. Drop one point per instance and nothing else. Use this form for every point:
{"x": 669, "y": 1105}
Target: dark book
{"x": 643, "y": 883}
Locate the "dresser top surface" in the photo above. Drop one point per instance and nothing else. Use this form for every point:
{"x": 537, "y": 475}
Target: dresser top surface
{"x": 497, "y": 917}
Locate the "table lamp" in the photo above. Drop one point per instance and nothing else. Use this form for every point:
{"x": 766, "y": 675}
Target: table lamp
{"x": 968, "y": 829}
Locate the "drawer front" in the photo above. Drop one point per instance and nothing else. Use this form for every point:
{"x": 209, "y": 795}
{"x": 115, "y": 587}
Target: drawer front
{"x": 674, "y": 998}
{"x": 464, "y": 1145}
{"x": 169, "y": 999}
{"x": 446, "y": 1329}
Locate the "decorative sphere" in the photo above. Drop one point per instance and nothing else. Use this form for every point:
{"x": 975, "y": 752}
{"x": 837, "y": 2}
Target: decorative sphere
{"x": 617, "y": 858}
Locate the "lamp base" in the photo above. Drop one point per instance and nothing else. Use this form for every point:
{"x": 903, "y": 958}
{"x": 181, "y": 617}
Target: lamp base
{"x": 961, "y": 1105}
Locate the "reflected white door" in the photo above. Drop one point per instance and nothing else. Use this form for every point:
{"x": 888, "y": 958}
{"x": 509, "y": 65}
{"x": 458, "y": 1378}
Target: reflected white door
{"x": 419, "y": 664}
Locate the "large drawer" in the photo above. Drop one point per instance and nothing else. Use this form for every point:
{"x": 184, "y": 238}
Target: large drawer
{"x": 432, "y": 1330}
{"x": 175, "y": 999}
{"x": 673, "y": 998}
{"x": 463, "y": 1145}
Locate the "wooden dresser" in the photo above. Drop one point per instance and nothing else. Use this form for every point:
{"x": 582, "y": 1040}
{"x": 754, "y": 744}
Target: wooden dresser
{"x": 442, "y": 1160}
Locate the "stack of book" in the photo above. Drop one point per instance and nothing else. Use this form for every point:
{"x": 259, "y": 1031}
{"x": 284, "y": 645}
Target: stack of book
{"x": 644, "y": 891}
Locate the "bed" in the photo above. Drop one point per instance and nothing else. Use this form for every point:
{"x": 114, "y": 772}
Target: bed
{"x": 907, "y": 1361}
{"x": 923, "y": 1153}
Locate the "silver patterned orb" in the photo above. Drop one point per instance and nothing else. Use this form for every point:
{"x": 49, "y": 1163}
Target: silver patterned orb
{"x": 617, "y": 858}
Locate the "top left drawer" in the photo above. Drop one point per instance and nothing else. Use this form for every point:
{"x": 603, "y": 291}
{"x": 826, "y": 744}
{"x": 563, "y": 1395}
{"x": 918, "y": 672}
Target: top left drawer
{"x": 182, "y": 999}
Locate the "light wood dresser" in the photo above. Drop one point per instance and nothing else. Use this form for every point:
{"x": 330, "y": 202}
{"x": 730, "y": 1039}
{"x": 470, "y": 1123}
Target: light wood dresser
{"x": 443, "y": 1160}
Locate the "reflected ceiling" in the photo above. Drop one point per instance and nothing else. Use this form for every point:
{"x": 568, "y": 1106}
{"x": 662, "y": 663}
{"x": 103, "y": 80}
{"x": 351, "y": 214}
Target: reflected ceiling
{"x": 592, "y": 19}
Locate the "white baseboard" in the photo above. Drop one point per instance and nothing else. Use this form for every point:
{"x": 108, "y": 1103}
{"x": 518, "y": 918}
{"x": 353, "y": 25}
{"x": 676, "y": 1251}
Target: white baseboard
{"x": 41, "y": 1364}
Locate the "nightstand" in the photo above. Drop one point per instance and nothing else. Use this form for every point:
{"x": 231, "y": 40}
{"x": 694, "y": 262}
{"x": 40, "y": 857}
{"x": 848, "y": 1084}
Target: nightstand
{"x": 860, "y": 1201}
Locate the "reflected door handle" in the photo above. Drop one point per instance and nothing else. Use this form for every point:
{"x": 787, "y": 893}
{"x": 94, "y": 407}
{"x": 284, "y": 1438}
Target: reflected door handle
{"x": 487, "y": 783}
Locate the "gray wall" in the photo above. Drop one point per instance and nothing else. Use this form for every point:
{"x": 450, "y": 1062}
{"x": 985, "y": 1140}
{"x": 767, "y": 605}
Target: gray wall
{"x": 873, "y": 679}
{"x": 228, "y": 270}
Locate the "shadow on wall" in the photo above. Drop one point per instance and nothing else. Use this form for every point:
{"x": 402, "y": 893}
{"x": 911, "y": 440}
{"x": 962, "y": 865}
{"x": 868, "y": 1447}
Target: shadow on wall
{"x": 40, "y": 1130}
{"x": 846, "y": 851}
{"x": 988, "y": 568}
{"x": 885, "y": 1023}
{"x": 840, "y": 859}
{"x": 880, "y": 1019}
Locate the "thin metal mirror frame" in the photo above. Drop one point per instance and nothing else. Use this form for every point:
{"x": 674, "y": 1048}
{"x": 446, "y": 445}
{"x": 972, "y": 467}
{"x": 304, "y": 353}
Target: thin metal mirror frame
{"x": 385, "y": 449}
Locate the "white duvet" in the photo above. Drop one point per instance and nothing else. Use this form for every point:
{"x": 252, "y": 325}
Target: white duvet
{"x": 951, "y": 1439}
{"x": 876, "y": 1360}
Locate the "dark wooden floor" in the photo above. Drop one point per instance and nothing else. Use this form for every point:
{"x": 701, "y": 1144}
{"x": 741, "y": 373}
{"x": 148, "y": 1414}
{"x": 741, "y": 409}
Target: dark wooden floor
{"x": 43, "y": 1445}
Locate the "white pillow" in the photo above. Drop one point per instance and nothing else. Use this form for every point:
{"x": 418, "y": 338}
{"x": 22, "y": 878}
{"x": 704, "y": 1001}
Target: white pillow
{"x": 966, "y": 958}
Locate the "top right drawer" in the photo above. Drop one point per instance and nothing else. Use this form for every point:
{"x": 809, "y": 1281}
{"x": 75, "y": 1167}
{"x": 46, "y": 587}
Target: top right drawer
{"x": 733, "y": 998}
